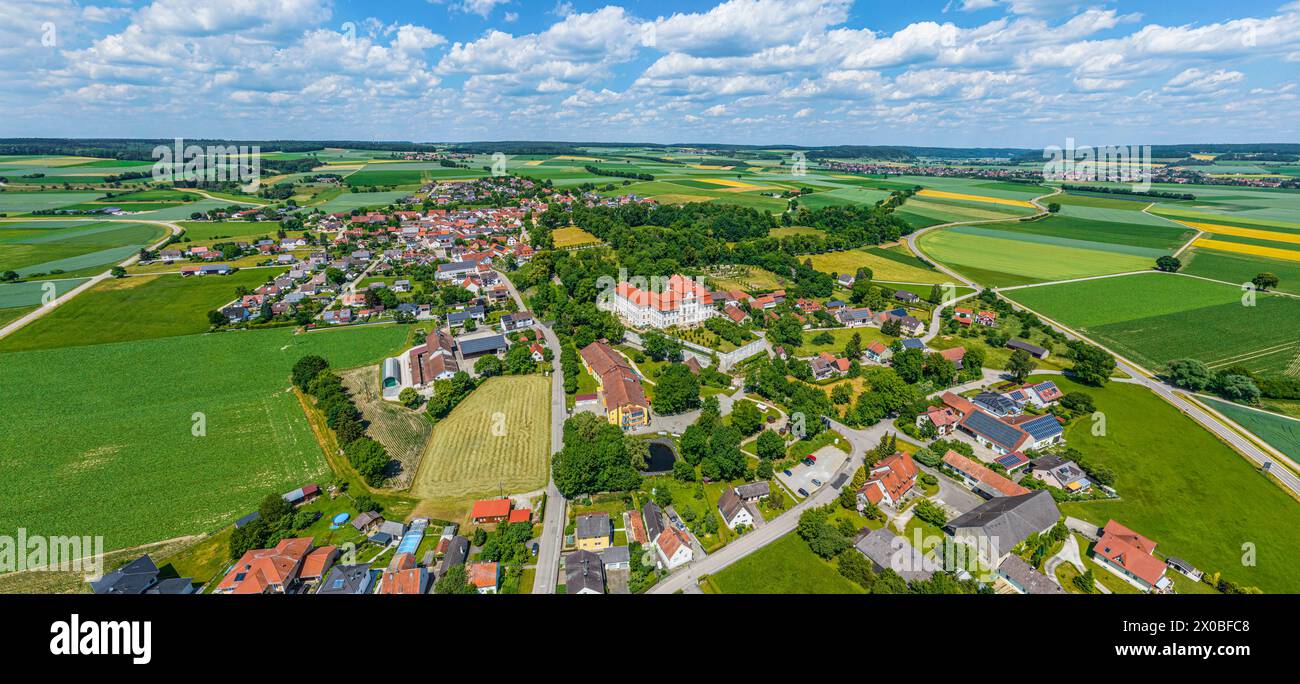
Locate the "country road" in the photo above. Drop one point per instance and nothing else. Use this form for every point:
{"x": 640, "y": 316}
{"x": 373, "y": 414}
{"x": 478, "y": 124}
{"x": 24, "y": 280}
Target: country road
{"x": 555, "y": 515}
{"x": 15, "y": 325}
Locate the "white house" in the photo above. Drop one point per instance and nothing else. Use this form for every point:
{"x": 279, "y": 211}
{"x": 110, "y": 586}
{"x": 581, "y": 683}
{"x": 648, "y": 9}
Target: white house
{"x": 734, "y": 511}
{"x": 673, "y": 548}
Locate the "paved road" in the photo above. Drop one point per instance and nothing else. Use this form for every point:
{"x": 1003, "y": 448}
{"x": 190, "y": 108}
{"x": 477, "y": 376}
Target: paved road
{"x": 1279, "y": 465}
{"x": 40, "y": 311}
{"x": 554, "y": 517}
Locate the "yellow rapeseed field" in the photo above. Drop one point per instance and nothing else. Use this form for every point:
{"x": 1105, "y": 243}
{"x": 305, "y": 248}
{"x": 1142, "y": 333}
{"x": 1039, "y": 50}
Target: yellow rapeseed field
{"x": 942, "y": 194}
{"x": 1272, "y": 236}
{"x": 1241, "y": 248}
{"x": 731, "y": 183}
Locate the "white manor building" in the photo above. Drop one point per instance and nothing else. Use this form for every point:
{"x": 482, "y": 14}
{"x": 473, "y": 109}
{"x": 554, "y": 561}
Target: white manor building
{"x": 681, "y": 302}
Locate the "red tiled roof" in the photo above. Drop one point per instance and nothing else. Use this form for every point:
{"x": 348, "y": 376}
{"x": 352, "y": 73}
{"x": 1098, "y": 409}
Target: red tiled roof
{"x": 957, "y": 403}
{"x": 669, "y": 541}
{"x": 490, "y": 508}
{"x": 677, "y": 289}
{"x": 980, "y": 472}
{"x": 259, "y": 569}
{"x": 1131, "y": 551}
{"x": 482, "y": 575}
{"x": 521, "y": 515}
{"x": 318, "y": 561}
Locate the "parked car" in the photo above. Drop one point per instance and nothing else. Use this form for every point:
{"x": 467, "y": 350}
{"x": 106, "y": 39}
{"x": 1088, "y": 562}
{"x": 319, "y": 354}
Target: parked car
{"x": 802, "y": 492}
{"x": 788, "y": 473}
{"x": 816, "y": 482}
{"x": 534, "y": 549}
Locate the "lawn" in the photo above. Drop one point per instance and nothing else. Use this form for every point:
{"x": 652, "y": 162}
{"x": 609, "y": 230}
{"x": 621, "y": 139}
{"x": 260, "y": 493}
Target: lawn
{"x": 1183, "y": 488}
{"x": 135, "y": 308}
{"x": 496, "y": 441}
{"x": 841, "y": 337}
{"x": 786, "y": 566}
{"x": 117, "y": 454}
{"x": 1153, "y": 318}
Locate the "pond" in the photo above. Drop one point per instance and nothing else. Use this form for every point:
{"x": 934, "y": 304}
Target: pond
{"x": 661, "y": 457}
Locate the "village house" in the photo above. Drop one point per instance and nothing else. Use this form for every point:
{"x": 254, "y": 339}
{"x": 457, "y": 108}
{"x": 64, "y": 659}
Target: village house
{"x": 996, "y": 526}
{"x": 593, "y": 532}
{"x": 584, "y": 573}
{"x": 889, "y": 481}
{"x": 490, "y": 511}
{"x": 996, "y": 435}
{"x": 267, "y": 571}
{"x": 980, "y": 478}
{"x": 1064, "y": 475}
{"x": 404, "y": 576}
{"x": 673, "y": 548}
{"x": 733, "y": 510}
{"x": 485, "y": 577}
{"x": 1131, "y": 556}
{"x": 624, "y": 397}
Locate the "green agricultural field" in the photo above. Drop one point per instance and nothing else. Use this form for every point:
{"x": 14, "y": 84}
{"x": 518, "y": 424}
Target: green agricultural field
{"x": 786, "y": 566}
{"x": 1184, "y": 489}
{"x": 1281, "y": 432}
{"x": 376, "y": 175}
{"x": 31, "y": 293}
{"x": 999, "y": 255}
{"x": 1240, "y": 268}
{"x": 11, "y": 314}
{"x": 348, "y": 201}
{"x": 1153, "y": 239}
{"x": 198, "y": 231}
{"x": 135, "y": 308}
{"x": 23, "y": 202}
{"x": 91, "y": 246}
{"x": 1153, "y": 318}
{"x": 117, "y": 454}
{"x": 497, "y": 440}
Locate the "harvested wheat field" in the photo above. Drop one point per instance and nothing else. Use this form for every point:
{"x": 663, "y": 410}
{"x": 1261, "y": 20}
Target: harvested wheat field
{"x": 496, "y": 441}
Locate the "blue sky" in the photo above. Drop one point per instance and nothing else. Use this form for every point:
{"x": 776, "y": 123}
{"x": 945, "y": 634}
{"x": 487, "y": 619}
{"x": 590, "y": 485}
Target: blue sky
{"x": 809, "y": 72}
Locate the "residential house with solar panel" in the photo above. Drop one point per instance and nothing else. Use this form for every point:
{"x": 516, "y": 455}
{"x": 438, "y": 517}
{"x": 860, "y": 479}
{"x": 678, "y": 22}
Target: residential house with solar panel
{"x": 999, "y": 405}
{"x": 1000, "y": 437}
{"x": 1043, "y": 431}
